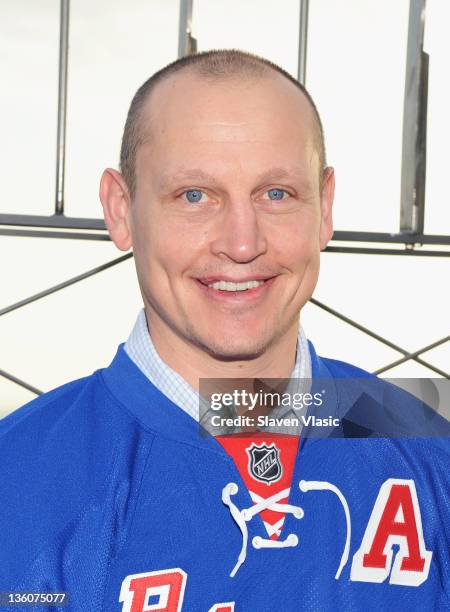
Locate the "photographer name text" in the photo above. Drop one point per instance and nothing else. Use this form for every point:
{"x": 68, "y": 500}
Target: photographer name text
{"x": 268, "y": 421}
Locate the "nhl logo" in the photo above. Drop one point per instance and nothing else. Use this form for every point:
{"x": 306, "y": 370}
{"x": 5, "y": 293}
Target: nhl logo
{"x": 264, "y": 462}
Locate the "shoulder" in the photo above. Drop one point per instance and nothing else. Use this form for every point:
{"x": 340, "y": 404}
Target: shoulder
{"x": 42, "y": 405}
{"x": 342, "y": 369}
{"x": 379, "y": 407}
{"x": 48, "y": 430}
{"x": 74, "y": 416}
{"x": 56, "y": 410}
{"x": 61, "y": 455}
{"x": 62, "y": 444}
{"x": 324, "y": 367}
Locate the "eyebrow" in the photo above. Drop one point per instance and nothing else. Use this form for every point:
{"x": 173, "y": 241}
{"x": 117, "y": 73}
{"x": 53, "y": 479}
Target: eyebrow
{"x": 194, "y": 173}
{"x": 276, "y": 172}
{"x": 280, "y": 172}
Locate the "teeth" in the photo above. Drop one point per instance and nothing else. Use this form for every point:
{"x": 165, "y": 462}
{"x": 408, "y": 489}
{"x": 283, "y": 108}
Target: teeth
{"x": 226, "y": 286}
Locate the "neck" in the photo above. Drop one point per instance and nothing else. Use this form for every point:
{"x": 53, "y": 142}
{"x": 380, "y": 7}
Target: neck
{"x": 193, "y": 363}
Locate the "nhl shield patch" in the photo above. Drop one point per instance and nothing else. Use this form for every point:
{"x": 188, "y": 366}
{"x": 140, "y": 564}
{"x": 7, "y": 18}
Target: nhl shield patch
{"x": 264, "y": 462}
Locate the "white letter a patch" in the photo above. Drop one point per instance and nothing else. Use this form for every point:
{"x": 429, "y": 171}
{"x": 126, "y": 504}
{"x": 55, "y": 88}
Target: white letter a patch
{"x": 395, "y": 520}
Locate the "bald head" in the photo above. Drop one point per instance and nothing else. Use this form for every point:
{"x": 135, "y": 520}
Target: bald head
{"x": 212, "y": 67}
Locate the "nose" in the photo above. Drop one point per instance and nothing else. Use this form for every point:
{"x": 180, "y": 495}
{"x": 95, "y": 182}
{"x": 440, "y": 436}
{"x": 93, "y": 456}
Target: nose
{"x": 239, "y": 236}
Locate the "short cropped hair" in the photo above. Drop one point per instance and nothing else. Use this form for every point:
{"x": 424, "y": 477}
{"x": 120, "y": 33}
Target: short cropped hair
{"x": 216, "y": 64}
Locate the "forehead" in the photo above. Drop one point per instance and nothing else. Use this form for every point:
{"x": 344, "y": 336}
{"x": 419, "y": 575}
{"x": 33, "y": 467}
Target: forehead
{"x": 232, "y": 119}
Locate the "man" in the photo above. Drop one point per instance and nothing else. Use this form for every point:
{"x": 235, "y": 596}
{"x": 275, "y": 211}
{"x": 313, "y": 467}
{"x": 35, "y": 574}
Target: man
{"x": 111, "y": 491}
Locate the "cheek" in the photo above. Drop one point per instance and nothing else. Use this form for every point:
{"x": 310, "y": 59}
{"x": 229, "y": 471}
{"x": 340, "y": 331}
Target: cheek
{"x": 297, "y": 243}
{"x": 169, "y": 249}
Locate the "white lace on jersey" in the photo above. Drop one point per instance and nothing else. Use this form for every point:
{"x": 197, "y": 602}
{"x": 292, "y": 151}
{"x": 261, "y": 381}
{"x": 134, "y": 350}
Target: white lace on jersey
{"x": 273, "y": 503}
{"x": 275, "y": 528}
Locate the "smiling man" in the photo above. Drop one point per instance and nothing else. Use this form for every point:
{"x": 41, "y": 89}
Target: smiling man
{"x": 226, "y": 202}
{"x": 112, "y": 492}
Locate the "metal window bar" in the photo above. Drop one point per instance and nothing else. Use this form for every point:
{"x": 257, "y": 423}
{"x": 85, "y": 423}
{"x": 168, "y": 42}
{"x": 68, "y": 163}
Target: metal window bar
{"x": 303, "y": 41}
{"x": 412, "y": 199}
{"x": 62, "y": 105}
{"x": 187, "y": 44}
{"x": 425, "y": 349}
{"x": 64, "y": 284}
{"x": 20, "y": 382}
{"x": 407, "y": 354}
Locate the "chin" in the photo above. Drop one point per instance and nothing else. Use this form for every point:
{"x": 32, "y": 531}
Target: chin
{"x": 234, "y": 349}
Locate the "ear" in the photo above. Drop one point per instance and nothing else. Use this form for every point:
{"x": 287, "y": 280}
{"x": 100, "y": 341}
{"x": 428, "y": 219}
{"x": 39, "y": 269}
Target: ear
{"x": 326, "y": 207}
{"x": 115, "y": 200}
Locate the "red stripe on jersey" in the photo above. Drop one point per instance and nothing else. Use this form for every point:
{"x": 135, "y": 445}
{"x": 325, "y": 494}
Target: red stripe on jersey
{"x": 265, "y": 462}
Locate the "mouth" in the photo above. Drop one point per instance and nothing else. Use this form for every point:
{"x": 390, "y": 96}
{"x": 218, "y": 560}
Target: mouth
{"x": 235, "y": 290}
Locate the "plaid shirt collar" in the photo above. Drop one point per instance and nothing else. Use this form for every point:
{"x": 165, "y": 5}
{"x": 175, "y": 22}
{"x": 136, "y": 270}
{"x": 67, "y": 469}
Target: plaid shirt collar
{"x": 142, "y": 352}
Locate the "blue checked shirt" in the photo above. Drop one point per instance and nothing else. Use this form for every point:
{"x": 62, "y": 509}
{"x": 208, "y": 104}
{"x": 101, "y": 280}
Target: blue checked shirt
{"x": 142, "y": 352}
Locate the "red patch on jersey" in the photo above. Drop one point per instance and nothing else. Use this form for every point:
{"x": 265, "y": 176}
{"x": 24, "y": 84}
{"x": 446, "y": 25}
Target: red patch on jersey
{"x": 265, "y": 462}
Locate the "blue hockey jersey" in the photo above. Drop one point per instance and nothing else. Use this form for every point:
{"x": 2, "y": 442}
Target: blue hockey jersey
{"x": 109, "y": 493}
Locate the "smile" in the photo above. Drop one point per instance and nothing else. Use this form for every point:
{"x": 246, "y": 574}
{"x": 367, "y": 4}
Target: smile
{"x": 230, "y": 286}
{"x": 230, "y": 291}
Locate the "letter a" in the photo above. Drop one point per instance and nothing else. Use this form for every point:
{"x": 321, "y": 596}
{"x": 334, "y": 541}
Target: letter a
{"x": 168, "y": 585}
{"x": 395, "y": 519}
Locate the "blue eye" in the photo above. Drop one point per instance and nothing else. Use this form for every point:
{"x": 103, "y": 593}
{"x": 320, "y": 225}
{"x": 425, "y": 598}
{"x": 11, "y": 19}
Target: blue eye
{"x": 276, "y": 194}
{"x": 194, "y": 195}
